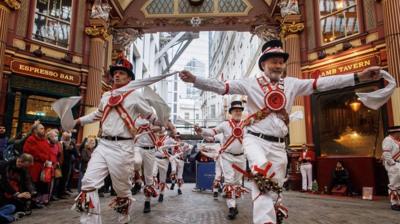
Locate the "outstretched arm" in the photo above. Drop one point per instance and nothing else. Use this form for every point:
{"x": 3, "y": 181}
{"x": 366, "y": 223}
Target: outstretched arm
{"x": 92, "y": 117}
{"x": 213, "y": 85}
{"x": 208, "y": 133}
{"x": 305, "y": 87}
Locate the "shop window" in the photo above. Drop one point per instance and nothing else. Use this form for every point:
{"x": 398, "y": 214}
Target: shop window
{"x": 52, "y": 22}
{"x": 344, "y": 126}
{"x": 40, "y": 106}
{"x": 338, "y": 19}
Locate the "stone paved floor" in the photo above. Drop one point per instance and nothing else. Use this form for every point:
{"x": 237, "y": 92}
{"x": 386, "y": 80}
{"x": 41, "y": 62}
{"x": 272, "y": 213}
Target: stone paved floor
{"x": 195, "y": 207}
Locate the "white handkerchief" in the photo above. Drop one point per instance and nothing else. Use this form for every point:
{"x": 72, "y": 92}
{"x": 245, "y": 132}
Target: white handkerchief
{"x": 377, "y": 98}
{"x": 296, "y": 116}
{"x": 63, "y": 108}
{"x": 160, "y": 106}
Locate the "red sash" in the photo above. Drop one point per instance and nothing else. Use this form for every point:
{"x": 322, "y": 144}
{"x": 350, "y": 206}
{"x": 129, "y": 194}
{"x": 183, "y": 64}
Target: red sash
{"x": 397, "y": 155}
{"x": 237, "y": 133}
{"x": 275, "y": 101}
{"x": 146, "y": 128}
{"x": 115, "y": 102}
{"x": 159, "y": 143}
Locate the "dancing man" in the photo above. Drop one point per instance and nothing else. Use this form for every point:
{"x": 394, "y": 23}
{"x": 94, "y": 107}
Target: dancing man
{"x": 230, "y": 154}
{"x": 391, "y": 161}
{"x": 270, "y": 99}
{"x": 114, "y": 154}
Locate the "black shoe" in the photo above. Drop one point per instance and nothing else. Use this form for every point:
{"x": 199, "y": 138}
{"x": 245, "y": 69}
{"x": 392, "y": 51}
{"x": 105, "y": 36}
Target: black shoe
{"x": 136, "y": 188}
{"x": 70, "y": 191}
{"x": 395, "y": 207}
{"x": 172, "y": 186}
{"x": 215, "y": 195}
{"x": 101, "y": 194}
{"x": 146, "y": 207}
{"x": 232, "y": 213}
{"x": 19, "y": 215}
{"x": 179, "y": 191}
{"x": 28, "y": 212}
{"x": 161, "y": 198}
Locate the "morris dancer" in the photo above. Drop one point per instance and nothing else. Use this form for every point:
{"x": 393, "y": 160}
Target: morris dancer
{"x": 178, "y": 161}
{"x": 391, "y": 159}
{"x": 162, "y": 160}
{"x": 145, "y": 147}
{"x": 114, "y": 154}
{"x": 270, "y": 99}
{"x": 230, "y": 153}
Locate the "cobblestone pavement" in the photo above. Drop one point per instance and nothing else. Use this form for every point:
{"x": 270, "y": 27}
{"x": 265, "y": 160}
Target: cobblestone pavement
{"x": 196, "y": 207}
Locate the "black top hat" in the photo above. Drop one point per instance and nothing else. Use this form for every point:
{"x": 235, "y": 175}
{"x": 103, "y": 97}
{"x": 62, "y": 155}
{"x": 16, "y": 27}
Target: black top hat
{"x": 124, "y": 65}
{"x": 272, "y": 48}
{"x": 236, "y": 105}
{"x": 394, "y": 129}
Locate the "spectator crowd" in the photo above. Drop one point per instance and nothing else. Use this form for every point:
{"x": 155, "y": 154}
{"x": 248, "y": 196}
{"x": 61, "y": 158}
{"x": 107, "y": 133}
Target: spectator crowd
{"x": 39, "y": 167}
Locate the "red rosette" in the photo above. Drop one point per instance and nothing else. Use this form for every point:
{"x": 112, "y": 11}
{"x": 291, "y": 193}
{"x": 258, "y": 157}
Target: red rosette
{"x": 115, "y": 100}
{"x": 275, "y": 100}
{"x": 237, "y": 132}
{"x": 159, "y": 144}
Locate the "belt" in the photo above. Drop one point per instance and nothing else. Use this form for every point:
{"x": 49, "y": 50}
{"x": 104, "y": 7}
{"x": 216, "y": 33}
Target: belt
{"x": 267, "y": 137}
{"x": 147, "y": 148}
{"x": 160, "y": 157}
{"x": 239, "y": 154}
{"x": 115, "y": 138}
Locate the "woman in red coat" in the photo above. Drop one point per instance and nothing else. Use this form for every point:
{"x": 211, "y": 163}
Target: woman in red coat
{"x": 38, "y": 146}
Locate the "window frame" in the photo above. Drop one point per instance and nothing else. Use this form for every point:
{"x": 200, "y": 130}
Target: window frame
{"x": 317, "y": 23}
{"x": 72, "y": 27}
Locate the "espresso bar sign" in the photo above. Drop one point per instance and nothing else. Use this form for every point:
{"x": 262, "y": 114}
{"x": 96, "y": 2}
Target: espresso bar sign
{"x": 346, "y": 67}
{"x": 45, "y": 72}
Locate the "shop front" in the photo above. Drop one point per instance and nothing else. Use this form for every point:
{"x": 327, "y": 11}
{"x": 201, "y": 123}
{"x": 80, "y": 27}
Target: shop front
{"x": 32, "y": 88}
{"x": 344, "y": 129}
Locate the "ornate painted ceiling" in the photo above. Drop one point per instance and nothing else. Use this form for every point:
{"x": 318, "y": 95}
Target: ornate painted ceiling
{"x": 184, "y": 15}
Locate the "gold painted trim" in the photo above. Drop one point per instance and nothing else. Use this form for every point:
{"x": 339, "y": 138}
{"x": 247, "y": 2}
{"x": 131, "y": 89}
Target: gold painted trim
{"x": 176, "y": 14}
{"x": 13, "y": 4}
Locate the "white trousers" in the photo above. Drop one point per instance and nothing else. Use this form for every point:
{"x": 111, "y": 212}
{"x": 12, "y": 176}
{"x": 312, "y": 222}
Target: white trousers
{"x": 110, "y": 157}
{"x": 218, "y": 173}
{"x": 161, "y": 167}
{"x": 148, "y": 160}
{"x": 394, "y": 183}
{"x": 306, "y": 174}
{"x": 259, "y": 152}
{"x": 231, "y": 176}
{"x": 177, "y": 167}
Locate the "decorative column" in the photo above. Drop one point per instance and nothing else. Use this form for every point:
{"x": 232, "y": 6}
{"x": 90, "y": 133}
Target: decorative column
{"x": 391, "y": 9}
{"x": 290, "y": 35}
{"x": 98, "y": 32}
{"x": 6, "y": 8}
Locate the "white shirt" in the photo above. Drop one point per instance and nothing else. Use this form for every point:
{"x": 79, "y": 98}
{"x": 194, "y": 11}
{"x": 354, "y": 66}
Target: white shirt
{"x": 391, "y": 150}
{"x": 226, "y": 130}
{"x": 114, "y": 125}
{"x": 143, "y": 139}
{"x": 168, "y": 141}
{"x": 293, "y": 87}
